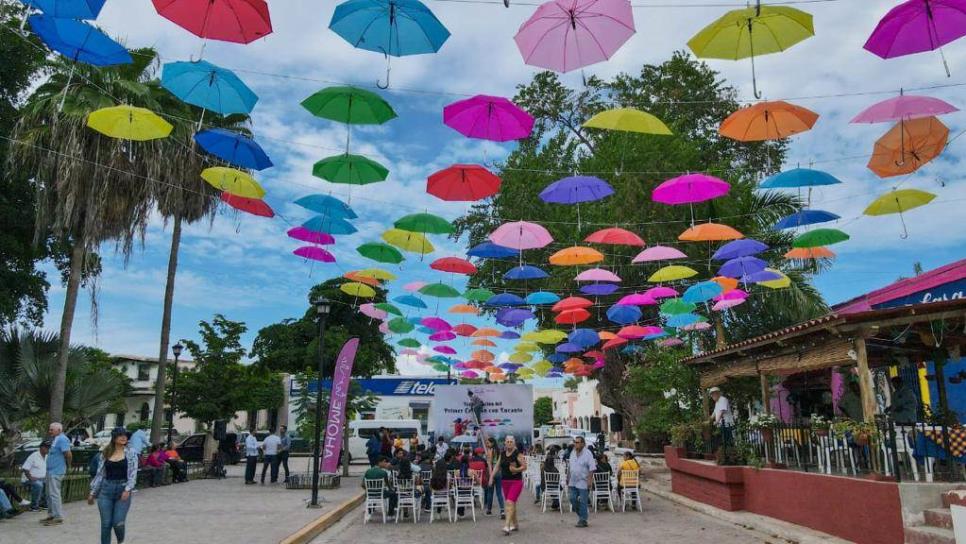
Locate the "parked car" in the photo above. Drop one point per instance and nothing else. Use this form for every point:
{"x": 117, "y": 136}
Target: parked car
{"x": 192, "y": 449}
{"x": 24, "y": 449}
{"x": 102, "y": 438}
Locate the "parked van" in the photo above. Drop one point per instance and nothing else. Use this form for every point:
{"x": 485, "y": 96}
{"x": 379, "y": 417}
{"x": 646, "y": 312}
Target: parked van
{"x": 360, "y": 430}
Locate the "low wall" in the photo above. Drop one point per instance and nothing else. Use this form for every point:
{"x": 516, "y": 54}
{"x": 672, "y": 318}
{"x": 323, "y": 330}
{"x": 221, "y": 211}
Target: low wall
{"x": 862, "y": 511}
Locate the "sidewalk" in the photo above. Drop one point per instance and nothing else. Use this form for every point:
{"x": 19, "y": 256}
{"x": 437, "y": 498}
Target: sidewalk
{"x": 210, "y": 511}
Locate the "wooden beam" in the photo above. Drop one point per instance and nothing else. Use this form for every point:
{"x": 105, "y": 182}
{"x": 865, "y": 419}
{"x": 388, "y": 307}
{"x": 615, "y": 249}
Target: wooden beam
{"x": 865, "y": 380}
{"x": 765, "y": 391}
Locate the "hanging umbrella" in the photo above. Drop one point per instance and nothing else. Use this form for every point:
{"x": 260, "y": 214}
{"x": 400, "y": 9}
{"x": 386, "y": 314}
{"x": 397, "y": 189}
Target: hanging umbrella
{"x": 484, "y": 356}
{"x": 238, "y": 21}
{"x": 573, "y": 256}
{"x": 68, "y": 9}
{"x": 379, "y": 252}
{"x": 542, "y": 297}
{"x": 520, "y": 358}
{"x": 485, "y": 332}
{"x": 658, "y": 253}
{"x": 572, "y": 317}
{"x": 412, "y": 242}
{"x": 208, "y": 86}
{"x": 597, "y": 274}
{"x": 350, "y": 170}
{"x": 637, "y": 299}
{"x": 908, "y": 146}
{"x": 435, "y": 323}
{"x": 571, "y": 303}
{"x": 378, "y": 273}
{"x": 741, "y": 266}
{"x": 622, "y": 315}
{"x": 388, "y": 308}
{"x": 904, "y": 107}
{"x": 505, "y": 299}
{"x": 916, "y": 26}
{"x": 820, "y": 237}
{"x": 616, "y": 237}
{"x": 409, "y": 343}
{"x": 584, "y": 338}
{"x": 710, "y": 232}
{"x": 327, "y": 205}
{"x": 613, "y": 343}
{"x": 701, "y": 292}
{"x": 526, "y": 346}
{"x": 767, "y": 121}
{"x": 599, "y": 289}
{"x": 628, "y": 120}
{"x": 485, "y": 342}
{"x": 360, "y": 290}
{"x": 672, "y": 273}
{"x": 745, "y": 33}
{"x": 410, "y": 300}
{"x": 690, "y": 189}
{"x": 805, "y": 217}
{"x": 564, "y": 35}
{"x": 576, "y": 189}
{"x": 661, "y": 292}
{"x": 129, "y": 123}
{"x": 521, "y": 235}
{"x": 513, "y": 317}
{"x": 478, "y": 295}
{"x": 233, "y": 148}
{"x": 369, "y": 310}
{"x": 439, "y": 290}
{"x": 78, "y": 41}
{"x": 415, "y": 286}
{"x": 233, "y": 181}
{"x": 425, "y": 223}
{"x": 453, "y": 265}
{"x": 676, "y": 306}
{"x": 305, "y": 235}
{"x": 799, "y": 177}
{"x": 723, "y": 305}
{"x": 488, "y": 118}
{"x": 633, "y": 332}
{"x": 727, "y": 284}
{"x": 804, "y": 253}
{"x": 781, "y": 282}
{"x": 898, "y": 202}
{"x": 356, "y": 277}
{"x": 463, "y": 309}
{"x": 761, "y": 276}
{"x": 463, "y": 183}
{"x": 253, "y": 206}
{"x": 739, "y": 248}
{"x": 331, "y": 225}
{"x": 350, "y": 105}
{"x": 315, "y": 253}
{"x": 489, "y": 250}
{"x": 525, "y": 272}
{"x": 682, "y": 320}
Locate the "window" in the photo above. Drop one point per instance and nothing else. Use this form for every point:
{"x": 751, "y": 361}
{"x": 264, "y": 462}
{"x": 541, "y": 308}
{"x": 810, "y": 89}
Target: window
{"x": 144, "y": 372}
{"x": 145, "y": 412}
{"x": 119, "y": 419}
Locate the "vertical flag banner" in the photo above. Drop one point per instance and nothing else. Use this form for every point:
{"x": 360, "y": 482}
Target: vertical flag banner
{"x": 335, "y": 423}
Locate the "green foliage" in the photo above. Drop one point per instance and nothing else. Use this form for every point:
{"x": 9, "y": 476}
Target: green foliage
{"x": 357, "y": 400}
{"x": 542, "y": 411}
{"x": 570, "y": 384}
{"x": 669, "y": 390}
{"x": 689, "y": 435}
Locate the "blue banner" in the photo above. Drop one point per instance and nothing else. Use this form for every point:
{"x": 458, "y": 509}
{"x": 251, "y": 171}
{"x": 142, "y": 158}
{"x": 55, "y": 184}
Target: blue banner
{"x": 940, "y": 293}
{"x": 388, "y": 387}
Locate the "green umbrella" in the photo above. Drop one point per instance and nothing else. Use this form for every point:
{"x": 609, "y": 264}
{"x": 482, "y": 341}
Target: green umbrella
{"x": 439, "y": 290}
{"x": 424, "y": 222}
{"x": 349, "y": 105}
{"x": 820, "y": 237}
{"x": 440, "y": 367}
{"x": 676, "y": 306}
{"x": 379, "y": 252}
{"x": 409, "y": 343}
{"x": 400, "y": 324}
{"x": 388, "y": 308}
{"x": 478, "y": 295}
{"x": 350, "y": 169}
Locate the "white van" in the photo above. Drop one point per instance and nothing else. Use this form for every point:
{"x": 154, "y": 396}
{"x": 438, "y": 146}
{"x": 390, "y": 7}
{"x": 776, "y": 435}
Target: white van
{"x": 361, "y": 429}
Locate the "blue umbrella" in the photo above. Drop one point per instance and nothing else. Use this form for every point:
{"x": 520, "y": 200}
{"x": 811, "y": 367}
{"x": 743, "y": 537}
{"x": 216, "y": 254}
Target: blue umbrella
{"x": 742, "y": 266}
{"x": 661, "y": 334}
{"x": 576, "y": 189}
{"x": 584, "y": 337}
{"x": 78, "y": 41}
{"x": 328, "y": 206}
{"x": 505, "y": 299}
{"x": 624, "y": 315}
{"x": 799, "y": 177}
{"x": 329, "y": 225}
{"x": 426, "y": 330}
{"x": 525, "y": 272}
{"x": 489, "y": 250}
{"x": 542, "y": 297}
{"x": 208, "y": 86}
{"x": 804, "y": 217}
{"x": 761, "y": 275}
{"x": 509, "y": 335}
{"x": 68, "y": 9}
{"x": 556, "y": 357}
{"x": 702, "y": 292}
{"x": 569, "y": 347}
{"x": 415, "y": 320}
{"x": 233, "y": 148}
{"x": 682, "y": 320}
{"x": 599, "y": 289}
{"x": 739, "y": 248}
{"x": 410, "y": 300}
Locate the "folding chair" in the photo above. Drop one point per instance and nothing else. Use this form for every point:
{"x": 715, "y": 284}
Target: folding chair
{"x": 602, "y": 490}
{"x": 406, "y": 498}
{"x": 630, "y": 483}
{"x": 438, "y": 498}
{"x": 551, "y": 490}
{"x": 477, "y": 477}
{"x": 465, "y": 497}
{"x": 375, "y": 499}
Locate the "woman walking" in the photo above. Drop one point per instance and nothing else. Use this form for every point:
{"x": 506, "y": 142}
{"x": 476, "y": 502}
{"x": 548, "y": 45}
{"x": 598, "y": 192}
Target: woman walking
{"x": 495, "y": 486}
{"x": 116, "y": 477}
{"x": 512, "y": 465}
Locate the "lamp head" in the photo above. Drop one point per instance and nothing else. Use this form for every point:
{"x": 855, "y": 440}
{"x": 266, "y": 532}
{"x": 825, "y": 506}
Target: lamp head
{"x": 176, "y": 349}
{"x": 322, "y": 305}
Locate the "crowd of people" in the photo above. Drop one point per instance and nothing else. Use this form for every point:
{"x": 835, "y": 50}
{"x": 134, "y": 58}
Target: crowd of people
{"x": 274, "y": 451}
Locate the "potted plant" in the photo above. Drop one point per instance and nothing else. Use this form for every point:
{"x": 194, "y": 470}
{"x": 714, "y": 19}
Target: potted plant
{"x": 819, "y": 425}
{"x": 863, "y": 432}
{"x": 763, "y": 423}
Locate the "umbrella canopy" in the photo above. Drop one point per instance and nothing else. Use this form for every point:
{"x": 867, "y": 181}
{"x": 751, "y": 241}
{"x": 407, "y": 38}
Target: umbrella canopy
{"x": 305, "y": 235}
{"x": 412, "y": 242}
{"x": 350, "y": 105}
{"x": 315, "y": 253}
{"x": 463, "y": 309}
{"x": 661, "y": 292}
{"x": 425, "y": 223}
{"x": 542, "y": 297}
{"x": 916, "y": 26}
{"x": 576, "y": 189}
{"x": 658, "y": 253}
{"x": 521, "y": 235}
{"x": 690, "y": 189}
{"x": 388, "y": 308}
{"x": 723, "y": 305}
{"x": 483, "y": 342}
{"x": 571, "y": 303}
{"x": 616, "y": 237}
{"x": 238, "y": 21}
{"x": 233, "y": 181}
{"x": 409, "y": 342}
{"x": 233, "y": 148}
{"x": 331, "y": 225}
{"x": 488, "y": 118}
{"x": 489, "y": 250}
{"x": 208, "y": 86}
{"x": 453, "y": 265}
{"x": 613, "y": 343}
{"x": 767, "y": 121}
{"x": 672, "y": 273}
{"x": 804, "y": 217}
{"x": 898, "y": 202}
{"x": 739, "y": 248}
{"x": 442, "y": 336}
{"x": 435, "y": 323}
{"x": 410, "y": 300}
{"x": 350, "y": 170}
{"x": 636, "y": 299}
{"x": 513, "y": 317}
{"x": 525, "y": 272}
{"x": 908, "y": 146}
{"x": 904, "y": 107}
{"x": 485, "y": 332}
{"x": 565, "y": 35}
{"x": 478, "y": 295}
{"x": 415, "y": 286}
{"x": 820, "y": 237}
{"x": 369, "y": 310}
{"x": 584, "y": 338}
{"x": 378, "y": 273}
{"x": 623, "y": 315}
{"x": 505, "y": 299}
{"x": 253, "y": 206}
{"x": 463, "y": 183}
{"x": 68, "y": 9}
{"x": 676, "y": 306}
{"x": 355, "y": 276}
{"x": 628, "y": 120}
{"x": 727, "y": 284}
{"x": 439, "y": 290}
{"x": 379, "y": 252}
{"x": 779, "y": 283}
{"x": 577, "y": 255}
{"x": 702, "y": 292}
{"x": 710, "y": 232}
{"x": 597, "y": 274}
{"x": 683, "y": 320}
{"x": 810, "y": 253}
{"x": 327, "y": 205}
{"x": 742, "y": 266}
{"x": 129, "y": 123}
{"x": 799, "y": 177}
{"x": 599, "y": 289}
{"x": 78, "y": 41}
{"x": 356, "y": 289}
{"x": 572, "y": 317}
{"x": 464, "y": 329}
{"x": 389, "y": 27}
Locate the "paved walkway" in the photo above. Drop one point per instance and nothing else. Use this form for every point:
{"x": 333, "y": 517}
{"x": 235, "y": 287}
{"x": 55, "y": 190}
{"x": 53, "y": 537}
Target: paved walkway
{"x": 201, "y": 511}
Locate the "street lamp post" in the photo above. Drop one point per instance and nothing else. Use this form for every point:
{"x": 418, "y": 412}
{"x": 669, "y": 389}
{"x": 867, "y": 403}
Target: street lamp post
{"x": 176, "y": 349}
{"x": 322, "y": 310}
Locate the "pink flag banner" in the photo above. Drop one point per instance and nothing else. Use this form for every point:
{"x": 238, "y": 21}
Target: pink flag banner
{"x": 338, "y": 404}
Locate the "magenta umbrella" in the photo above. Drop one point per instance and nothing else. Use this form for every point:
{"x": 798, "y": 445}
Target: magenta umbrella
{"x": 445, "y": 350}
{"x": 699, "y": 326}
{"x": 690, "y": 189}
{"x": 488, "y": 118}
{"x": 658, "y": 253}
{"x": 734, "y": 294}
{"x": 315, "y": 253}
{"x": 442, "y": 336}
{"x": 597, "y": 274}
{"x": 916, "y": 26}
{"x": 636, "y": 299}
{"x": 661, "y": 292}
{"x": 904, "y": 107}
{"x": 564, "y": 35}
{"x": 305, "y": 235}
{"x": 435, "y": 323}
{"x": 521, "y": 235}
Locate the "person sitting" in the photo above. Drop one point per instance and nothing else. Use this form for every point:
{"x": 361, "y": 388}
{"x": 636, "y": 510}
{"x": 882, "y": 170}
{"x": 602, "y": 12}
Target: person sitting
{"x": 549, "y": 466}
{"x": 603, "y": 467}
{"x": 381, "y": 472}
{"x": 6, "y": 507}
{"x": 425, "y": 465}
{"x": 179, "y": 469}
{"x": 628, "y": 464}
{"x": 155, "y": 464}
{"x": 440, "y": 478}
{"x": 34, "y": 471}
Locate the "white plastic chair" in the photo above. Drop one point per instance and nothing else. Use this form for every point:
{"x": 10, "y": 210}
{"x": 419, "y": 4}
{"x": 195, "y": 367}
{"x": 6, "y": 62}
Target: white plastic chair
{"x": 375, "y": 499}
{"x": 477, "y": 477}
{"x": 406, "y": 498}
{"x": 438, "y": 498}
{"x": 551, "y": 490}
{"x": 602, "y": 490}
{"x": 630, "y": 483}
{"x": 465, "y": 496}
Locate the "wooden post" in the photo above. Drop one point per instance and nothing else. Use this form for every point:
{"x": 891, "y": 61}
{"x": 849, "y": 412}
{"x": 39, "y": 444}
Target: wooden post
{"x": 866, "y": 388}
{"x": 765, "y": 393}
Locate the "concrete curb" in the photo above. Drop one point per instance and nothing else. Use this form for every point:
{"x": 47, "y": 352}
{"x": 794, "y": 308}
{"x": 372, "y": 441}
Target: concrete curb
{"x": 775, "y": 528}
{"x": 315, "y": 527}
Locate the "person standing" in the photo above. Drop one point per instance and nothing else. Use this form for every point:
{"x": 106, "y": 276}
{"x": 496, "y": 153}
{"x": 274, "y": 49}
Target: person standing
{"x": 722, "y": 417}
{"x": 580, "y": 478}
{"x": 138, "y": 442}
{"x": 512, "y": 466}
{"x": 374, "y": 447}
{"x": 251, "y": 458}
{"x": 441, "y": 448}
{"x": 117, "y": 475}
{"x": 905, "y": 403}
{"x": 476, "y": 406}
{"x": 284, "y": 448}
{"x": 495, "y": 482}
{"x": 58, "y": 459}
{"x": 270, "y": 449}
{"x": 35, "y": 472}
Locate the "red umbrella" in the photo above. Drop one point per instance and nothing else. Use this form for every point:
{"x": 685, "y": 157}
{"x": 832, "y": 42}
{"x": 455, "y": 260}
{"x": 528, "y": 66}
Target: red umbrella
{"x": 613, "y": 343}
{"x": 463, "y": 183}
{"x": 572, "y": 317}
{"x": 454, "y": 265}
{"x": 464, "y": 329}
{"x": 571, "y": 303}
{"x": 616, "y": 237}
{"x": 239, "y": 21}
{"x": 253, "y": 206}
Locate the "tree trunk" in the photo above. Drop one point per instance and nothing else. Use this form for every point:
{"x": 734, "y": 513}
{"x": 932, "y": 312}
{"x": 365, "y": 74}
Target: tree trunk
{"x": 77, "y": 255}
{"x": 720, "y": 341}
{"x": 160, "y": 381}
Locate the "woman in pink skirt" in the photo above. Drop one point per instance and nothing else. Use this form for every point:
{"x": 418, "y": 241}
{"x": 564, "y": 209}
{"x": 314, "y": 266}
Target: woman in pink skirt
{"x": 512, "y": 466}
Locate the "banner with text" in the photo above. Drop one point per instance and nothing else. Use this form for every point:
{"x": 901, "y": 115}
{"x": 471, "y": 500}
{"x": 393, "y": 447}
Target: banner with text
{"x": 507, "y": 409}
{"x": 335, "y": 423}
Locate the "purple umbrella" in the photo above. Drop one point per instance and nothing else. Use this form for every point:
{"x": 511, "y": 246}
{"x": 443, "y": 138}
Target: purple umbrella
{"x": 690, "y": 189}
{"x": 564, "y": 35}
{"x": 742, "y": 266}
{"x": 599, "y": 289}
{"x": 576, "y": 189}
{"x": 761, "y": 275}
{"x": 916, "y": 26}
{"x": 509, "y": 335}
{"x": 488, "y": 118}
{"x": 569, "y": 347}
{"x": 513, "y": 317}
{"x": 315, "y": 253}
{"x": 739, "y": 248}
{"x": 305, "y": 235}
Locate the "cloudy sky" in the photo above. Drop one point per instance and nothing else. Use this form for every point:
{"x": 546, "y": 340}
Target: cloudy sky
{"x": 243, "y": 267}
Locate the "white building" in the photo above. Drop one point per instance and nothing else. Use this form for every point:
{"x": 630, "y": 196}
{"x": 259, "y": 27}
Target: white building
{"x": 139, "y": 404}
{"x": 578, "y": 408}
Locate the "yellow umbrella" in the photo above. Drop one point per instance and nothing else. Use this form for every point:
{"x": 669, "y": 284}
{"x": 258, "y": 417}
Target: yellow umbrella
{"x": 129, "y": 123}
{"x": 628, "y": 120}
{"x": 232, "y": 181}
{"x": 377, "y": 273}
{"x": 358, "y": 290}
{"x": 575, "y": 256}
{"x": 551, "y": 336}
{"x": 672, "y": 273}
{"x": 898, "y": 202}
{"x": 520, "y": 357}
{"x": 780, "y": 283}
{"x": 525, "y": 372}
{"x": 526, "y": 346}
{"x": 541, "y": 367}
{"x": 532, "y": 336}
{"x": 412, "y": 242}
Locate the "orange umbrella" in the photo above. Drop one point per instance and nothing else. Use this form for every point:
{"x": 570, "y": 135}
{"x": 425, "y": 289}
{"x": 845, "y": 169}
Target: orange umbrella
{"x": 571, "y": 303}
{"x": 572, "y": 317}
{"x": 726, "y": 283}
{"x": 483, "y": 355}
{"x": 908, "y": 146}
{"x": 485, "y": 331}
{"x": 575, "y": 256}
{"x": 357, "y": 277}
{"x": 710, "y": 232}
{"x": 484, "y": 342}
{"x": 498, "y": 377}
{"x": 767, "y": 121}
{"x": 810, "y": 253}
{"x": 476, "y": 365}
{"x": 464, "y": 309}
{"x": 606, "y": 335}
{"x": 493, "y": 370}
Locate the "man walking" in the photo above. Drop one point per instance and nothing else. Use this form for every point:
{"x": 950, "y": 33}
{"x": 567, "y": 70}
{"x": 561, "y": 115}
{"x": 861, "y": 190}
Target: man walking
{"x": 580, "y": 478}
{"x": 138, "y": 442}
{"x": 284, "y": 447}
{"x": 270, "y": 449}
{"x": 35, "y": 472}
{"x": 251, "y": 458}
{"x": 722, "y": 417}
{"x": 58, "y": 459}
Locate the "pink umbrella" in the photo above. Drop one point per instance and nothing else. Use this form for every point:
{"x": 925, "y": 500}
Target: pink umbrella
{"x": 598, "y": 363}
{"x": 734, "y": 294}
{"x": 488, "y": 118}
{"x": 699, "y": 326}
{"x": 660, "y": 292}
{"x": 415, "y": 286}
{"x": 904, "y": 107}
{"x": 315, "y": 253}
{"x": 442, "y": 336}
{"x": 916, "y": 26}
{"x": 690, "y": 189}
{"x": 384, "y": 328}
{"x": 409, "y": 352}
{"x": 469, "y": 374}
{"x": 305, "y": 235}
{"x": 636, "y": 299}
{"x": 521, "y": 235}
{"x": 670, "y": 342}
{"x": 435, "y": 323}
{"x": 597, "y": 274}
{"x": 722, "y": 305}
{"x": 445, "y": 350}
{"x": 564, "y": 35}
{"x": 370, "y": 310}
{"x": 658, "y": 253}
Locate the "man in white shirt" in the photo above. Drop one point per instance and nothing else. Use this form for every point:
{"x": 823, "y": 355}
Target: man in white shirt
{"x": 34, "y": 473}
{"x": 581, "y": 466}
{"x": 441, "y": 448}
{"x": 270, "y": 448}
{"x": 251, "y": 458}
{"x": 722, "y": 417}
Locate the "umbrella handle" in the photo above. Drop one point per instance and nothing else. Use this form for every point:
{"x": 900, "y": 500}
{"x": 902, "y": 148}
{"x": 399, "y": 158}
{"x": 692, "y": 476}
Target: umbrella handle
{"x": 70, "y": 79}
{"x": 751, "y": 44}
{"x": 905, "y": 231}
{"x": 388, "y": 68}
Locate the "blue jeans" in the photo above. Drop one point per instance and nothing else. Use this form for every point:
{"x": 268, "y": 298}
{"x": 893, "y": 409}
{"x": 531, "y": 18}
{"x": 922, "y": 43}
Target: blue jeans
{"x": 55, "y": 505}
{"x": 36, "y": 492}
{"x": 113, "y": 510}
{"x": 5, "y": 505}
{"x": 578, "y": 501}
{"x": 489, "y": 491}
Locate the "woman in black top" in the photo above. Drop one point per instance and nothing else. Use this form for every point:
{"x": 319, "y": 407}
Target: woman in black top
{"x": 512, "y": 465}
{"x": 111, "y": 487}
